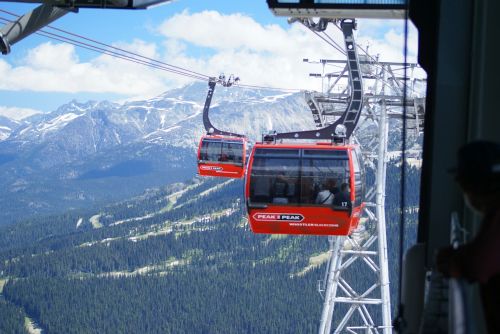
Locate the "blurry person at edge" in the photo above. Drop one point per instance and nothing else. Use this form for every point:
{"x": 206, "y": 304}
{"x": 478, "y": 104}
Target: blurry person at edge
{"x": 478, "y": 175}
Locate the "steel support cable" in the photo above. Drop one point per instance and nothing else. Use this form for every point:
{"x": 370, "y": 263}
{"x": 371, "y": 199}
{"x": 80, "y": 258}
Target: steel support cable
{"x": 338, "y": 47}
{"x": 166, "y": 67}
{"x": 375, "y": 61}
{"x": 335, "y": 65}
{"x": 329, "y": 43}
{"x": 109, "y": 53}
{"x": 334, "y": 44}
{"x": 291, "y": 90}
{"x": 177, "y": 68}
{"x": 113, "y": 54}
{"x": 135, "y": 54}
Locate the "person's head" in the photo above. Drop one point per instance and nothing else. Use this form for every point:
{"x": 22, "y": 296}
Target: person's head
{"x": 331, "y": 184}
{"x": 478, "y": 174}
{"x": 344, "y": 187}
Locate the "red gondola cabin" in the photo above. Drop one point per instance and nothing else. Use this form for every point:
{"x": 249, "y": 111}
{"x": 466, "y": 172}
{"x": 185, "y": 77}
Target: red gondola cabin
{"x": 313, "y": 189}
{"x": 222, "y": 156}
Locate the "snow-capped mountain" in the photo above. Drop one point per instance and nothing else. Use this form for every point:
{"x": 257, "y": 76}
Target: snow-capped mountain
{"x": 74, "y": 156}
{"x": 7, "y": 126}
{"x": 173, "y": 118}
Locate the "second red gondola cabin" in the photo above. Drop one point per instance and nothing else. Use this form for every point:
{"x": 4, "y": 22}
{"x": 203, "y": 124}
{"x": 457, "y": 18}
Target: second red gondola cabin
{"x": 222, "y": 156}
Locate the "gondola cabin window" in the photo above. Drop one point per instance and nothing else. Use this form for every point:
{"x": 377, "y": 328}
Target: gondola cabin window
{"x": 210, "y": 150}
{"x": 323, "y": 173}
{"x": 232, "y": 152}
{"x": 275, "y": 176}
{"x": 222, "y": 151}
{"x": 221, "y": 156}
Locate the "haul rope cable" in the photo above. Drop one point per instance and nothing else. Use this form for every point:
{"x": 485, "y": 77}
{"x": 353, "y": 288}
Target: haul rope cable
{"x": 124, "y": 55}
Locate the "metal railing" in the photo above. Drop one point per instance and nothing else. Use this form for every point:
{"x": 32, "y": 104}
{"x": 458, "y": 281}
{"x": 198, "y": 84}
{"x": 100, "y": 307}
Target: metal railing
{"x": 457, "y": 297}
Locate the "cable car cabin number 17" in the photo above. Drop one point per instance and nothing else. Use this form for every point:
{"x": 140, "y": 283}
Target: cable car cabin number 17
{"x": 304, "y": 189}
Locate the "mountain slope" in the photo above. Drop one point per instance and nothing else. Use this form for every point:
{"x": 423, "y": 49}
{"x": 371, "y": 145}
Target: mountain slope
{"x": 180, "y": 259}
{"x": 71, "y": 157}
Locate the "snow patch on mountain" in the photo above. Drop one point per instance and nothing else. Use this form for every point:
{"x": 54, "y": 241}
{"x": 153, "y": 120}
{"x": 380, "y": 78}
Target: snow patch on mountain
{"x": 181, "y": 101}
{"x": 133, "y": 219}
{"x": 269, "y": 122}
{"x": 275, "y": 97}
{"x": 57, "y": 123}
{"x": 194, "y": 115}
{"x": 5, "y": 132}
{"x": 161, "y": 131}
{"x": 7, "y": 126}
{"x": 25, "y": 130}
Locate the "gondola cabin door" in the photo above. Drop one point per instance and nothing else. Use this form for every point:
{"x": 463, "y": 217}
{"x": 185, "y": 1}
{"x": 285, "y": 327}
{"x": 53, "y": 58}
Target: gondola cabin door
{"x": 222, "y": 156}
{"x": 310, "y": 189}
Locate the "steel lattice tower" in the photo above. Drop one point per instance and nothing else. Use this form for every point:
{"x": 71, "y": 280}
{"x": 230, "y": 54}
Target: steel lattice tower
{"x": 368, "y": 307}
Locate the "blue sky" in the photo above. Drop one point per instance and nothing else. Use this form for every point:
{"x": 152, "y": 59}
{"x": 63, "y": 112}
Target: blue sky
{"x": 240, "y": 37}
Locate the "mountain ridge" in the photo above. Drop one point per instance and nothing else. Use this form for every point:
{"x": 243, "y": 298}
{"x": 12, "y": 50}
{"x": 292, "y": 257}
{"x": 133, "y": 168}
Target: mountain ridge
{"x": 75, "y": 153}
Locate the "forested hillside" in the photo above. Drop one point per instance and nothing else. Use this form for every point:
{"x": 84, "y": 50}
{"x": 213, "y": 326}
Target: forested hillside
{"x": 178, "y": 260}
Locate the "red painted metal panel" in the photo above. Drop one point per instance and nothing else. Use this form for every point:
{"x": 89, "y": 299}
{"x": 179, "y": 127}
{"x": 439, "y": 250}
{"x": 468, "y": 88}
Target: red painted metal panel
{"x": 305, "y": 220}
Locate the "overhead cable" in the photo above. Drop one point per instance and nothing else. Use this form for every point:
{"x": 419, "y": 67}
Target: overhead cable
{"x": 130, "y": 56}
{"x": 376, "y": 63}
{"x": 335, "y": 44}
{"x": 175, "y": 69}
{"x": 291, "y": 90}
{"x": 110, "y": 53}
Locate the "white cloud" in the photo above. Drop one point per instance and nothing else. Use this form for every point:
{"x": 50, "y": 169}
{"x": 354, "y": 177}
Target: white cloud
{"x": 43, "y": 56}
{"x": 228, "y": 32}
{"x": 56, "y": 68}
{"x": 17, "y": 113}
{"x": 259, "y": 54}
{"x": 386, "y": 38}
{"x": 271, "y": 55}
{"x": 206, "y": 42}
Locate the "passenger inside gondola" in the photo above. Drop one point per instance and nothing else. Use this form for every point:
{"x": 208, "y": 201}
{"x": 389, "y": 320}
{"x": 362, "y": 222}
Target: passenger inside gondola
{"x": 261, "y": 190}
{"x": 327, "y": 194}
{"x": 343, "y": 198}
{"x": 211, "y": 150}
{"x": 280, "y": 190}
{"x": 223, "y": 157}
{"x": 308, "y": 193}
{"x": 232, "y": 152}
{"x": 217, "y": 150}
